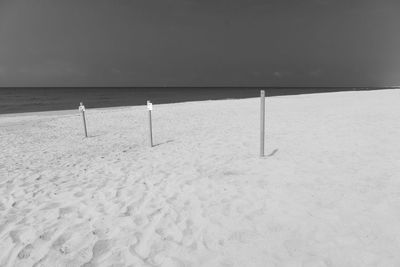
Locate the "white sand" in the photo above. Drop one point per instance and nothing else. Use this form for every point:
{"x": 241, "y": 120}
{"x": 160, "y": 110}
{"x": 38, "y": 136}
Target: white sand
{"x": 329, "y": 194}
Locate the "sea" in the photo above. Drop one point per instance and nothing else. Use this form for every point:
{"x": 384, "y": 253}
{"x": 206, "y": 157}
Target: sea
{"x": 33, "y": 99}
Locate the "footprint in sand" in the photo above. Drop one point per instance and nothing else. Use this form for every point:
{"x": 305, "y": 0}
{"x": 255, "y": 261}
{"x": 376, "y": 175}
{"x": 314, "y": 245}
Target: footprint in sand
{"x": 101, "y": 232}
{"x": 46, "y": 236}
{"x": 100, "y": 249}
{"x": 25, "y": 252}
{"x": 59, "y": 242}
{"x": 65, "y": 211}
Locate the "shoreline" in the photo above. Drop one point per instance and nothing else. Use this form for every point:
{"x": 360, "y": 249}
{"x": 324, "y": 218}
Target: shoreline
{"x": 72, "y": 111}
{"x": 25, "y": 100}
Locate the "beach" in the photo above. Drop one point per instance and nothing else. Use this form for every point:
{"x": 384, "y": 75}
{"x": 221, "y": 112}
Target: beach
{"x": 327, "y": 193}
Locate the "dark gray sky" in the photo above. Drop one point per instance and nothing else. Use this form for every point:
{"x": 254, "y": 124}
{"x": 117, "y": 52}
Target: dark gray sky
{"x": 199, "y": 42}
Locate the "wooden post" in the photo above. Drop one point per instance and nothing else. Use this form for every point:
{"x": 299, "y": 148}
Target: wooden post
{"x": 262, "y": 122}
{"x": 150, "y": 108}
{"x": 82, "y": 109}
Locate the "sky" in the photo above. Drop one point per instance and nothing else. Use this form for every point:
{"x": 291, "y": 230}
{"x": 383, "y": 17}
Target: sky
{"x": 199, "y": 43}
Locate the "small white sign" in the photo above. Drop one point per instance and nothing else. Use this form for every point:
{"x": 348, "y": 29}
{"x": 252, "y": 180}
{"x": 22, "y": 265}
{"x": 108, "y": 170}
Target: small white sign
{"x": 149, "y": 105}
{"x": 81, "y": 108}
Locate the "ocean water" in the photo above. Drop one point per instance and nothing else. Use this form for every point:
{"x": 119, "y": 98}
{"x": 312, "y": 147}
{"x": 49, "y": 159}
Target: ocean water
{"x": 17, "y": 100}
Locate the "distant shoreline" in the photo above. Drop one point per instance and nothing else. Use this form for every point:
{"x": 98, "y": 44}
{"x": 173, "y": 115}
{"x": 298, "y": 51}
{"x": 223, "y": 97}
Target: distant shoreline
{"x": 19, "y": 100}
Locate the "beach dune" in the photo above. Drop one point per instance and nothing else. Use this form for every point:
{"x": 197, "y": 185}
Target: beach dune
{"x": 326, "y": 194}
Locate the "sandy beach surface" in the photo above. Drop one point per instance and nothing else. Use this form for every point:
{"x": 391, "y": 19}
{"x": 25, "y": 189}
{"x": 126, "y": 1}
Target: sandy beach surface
{"x": 326, "y": 194}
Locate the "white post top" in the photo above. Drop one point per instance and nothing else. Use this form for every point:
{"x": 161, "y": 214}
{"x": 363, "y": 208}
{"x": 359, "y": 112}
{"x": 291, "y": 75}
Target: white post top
{"x": 81, "y": 107}
{"x": 149, "y": 105}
